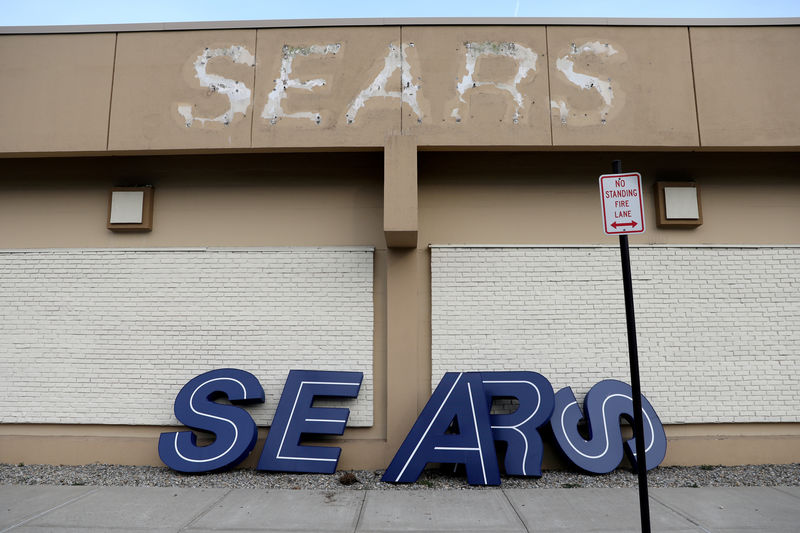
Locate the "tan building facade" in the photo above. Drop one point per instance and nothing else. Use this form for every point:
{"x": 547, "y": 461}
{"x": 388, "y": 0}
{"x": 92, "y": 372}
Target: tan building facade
{"x": 401, "y": 199}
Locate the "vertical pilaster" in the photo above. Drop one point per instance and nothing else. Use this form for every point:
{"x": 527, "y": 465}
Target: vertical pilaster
{"x": 402, "y": 333}
{"x": 400, "y": 225}
{"x": 400, "y": 210}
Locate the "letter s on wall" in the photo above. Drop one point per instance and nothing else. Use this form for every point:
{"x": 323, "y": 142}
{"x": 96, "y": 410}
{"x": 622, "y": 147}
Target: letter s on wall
{"x": 238, "y": 93}
{"x": 566, "y": 66}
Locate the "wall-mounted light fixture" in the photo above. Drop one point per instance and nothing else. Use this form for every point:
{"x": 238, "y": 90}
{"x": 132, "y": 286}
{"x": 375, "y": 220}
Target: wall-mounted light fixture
{"x": 130, "y": 209}
{"x": 678, "y": 204}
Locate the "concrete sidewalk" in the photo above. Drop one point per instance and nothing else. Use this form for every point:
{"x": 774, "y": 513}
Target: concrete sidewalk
{"x": 26, "y": 508}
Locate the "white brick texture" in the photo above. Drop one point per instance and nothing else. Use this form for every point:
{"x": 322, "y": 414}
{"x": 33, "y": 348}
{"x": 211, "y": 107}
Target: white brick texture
{"x": 718, "y": 327}
{"x": 111, "y": 336}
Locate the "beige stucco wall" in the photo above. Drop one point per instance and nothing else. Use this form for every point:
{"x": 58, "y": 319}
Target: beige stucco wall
{"x": 56, "y": 92}
{"x": 243, "y": 200}
{"x": 337, "y": 199}
{"x": 350, "y": 87}
{"x": 650, "y": 100}
{"x": 155, "y": 73}
{"x": 746, "y": 80}
{"x": 552, "y": 198}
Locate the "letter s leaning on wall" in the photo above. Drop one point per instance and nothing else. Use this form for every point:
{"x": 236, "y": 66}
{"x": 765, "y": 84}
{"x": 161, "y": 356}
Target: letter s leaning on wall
{"x": 234, "y": 429}
{"x": 455, "y": 426}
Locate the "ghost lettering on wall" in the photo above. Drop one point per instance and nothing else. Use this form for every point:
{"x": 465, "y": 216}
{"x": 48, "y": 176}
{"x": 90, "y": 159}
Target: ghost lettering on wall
{"x": 410, "y": 90}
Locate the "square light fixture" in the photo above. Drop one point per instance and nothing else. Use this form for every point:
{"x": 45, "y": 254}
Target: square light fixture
{"x": 130, "y": 209}
{"x": 678, "y": 204}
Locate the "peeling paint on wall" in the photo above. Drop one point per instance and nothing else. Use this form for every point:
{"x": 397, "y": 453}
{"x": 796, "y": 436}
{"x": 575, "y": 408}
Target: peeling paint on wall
{"x": 566, "y": 66}
{"x": 410, "y": 89}
{"x": 273, "y": 111}
{"x": 525, "y": 57}
{"x": 397, "y": 58}
{"x": 237, "y": 92}
{"x": 563, "y": 112}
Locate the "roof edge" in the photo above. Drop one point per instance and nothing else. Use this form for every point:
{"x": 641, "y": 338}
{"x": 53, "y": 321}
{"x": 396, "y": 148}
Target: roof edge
{"x": 430, "y": 21}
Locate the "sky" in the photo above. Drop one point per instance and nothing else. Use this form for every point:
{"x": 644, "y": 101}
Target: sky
{"x": 66, "y": 12}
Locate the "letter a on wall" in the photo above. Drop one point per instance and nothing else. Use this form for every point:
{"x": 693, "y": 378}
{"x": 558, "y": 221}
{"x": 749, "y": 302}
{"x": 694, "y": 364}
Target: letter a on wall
{"x": 234, "y": 429}
{"x": 604, "y": 404}
{"x": 458, "y": 404}
{"x": 295, "y": 416}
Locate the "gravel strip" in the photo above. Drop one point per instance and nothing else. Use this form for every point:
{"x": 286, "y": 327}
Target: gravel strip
{"x": 434, "y": 479}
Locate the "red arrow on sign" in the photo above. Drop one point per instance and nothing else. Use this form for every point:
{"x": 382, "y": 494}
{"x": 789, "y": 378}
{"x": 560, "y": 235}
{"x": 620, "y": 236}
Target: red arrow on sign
{"x": 616, "y": 225}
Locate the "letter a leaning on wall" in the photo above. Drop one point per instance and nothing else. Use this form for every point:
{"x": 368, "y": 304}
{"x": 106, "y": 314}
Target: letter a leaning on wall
{"x": 463, "y": 400}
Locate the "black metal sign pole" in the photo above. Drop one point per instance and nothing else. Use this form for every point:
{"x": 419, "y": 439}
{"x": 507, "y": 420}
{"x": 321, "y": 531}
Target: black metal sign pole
{"x": 638, "y": 423}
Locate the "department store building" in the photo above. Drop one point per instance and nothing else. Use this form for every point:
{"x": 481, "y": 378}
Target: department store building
{"x": 401, "y": 198}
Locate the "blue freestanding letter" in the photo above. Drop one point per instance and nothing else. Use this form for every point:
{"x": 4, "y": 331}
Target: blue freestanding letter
{"x": 458, "y": 403}
{"x": 295, "y": 416}
{"x": 604, "y": 404}
{"x": 234, "y": 429}
{"x": 520, "y": 428}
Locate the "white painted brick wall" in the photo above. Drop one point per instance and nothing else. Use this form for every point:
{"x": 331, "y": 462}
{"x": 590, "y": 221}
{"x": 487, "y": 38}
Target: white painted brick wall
{"x": 718, "y": 327}
{"x": 111, "y": 336}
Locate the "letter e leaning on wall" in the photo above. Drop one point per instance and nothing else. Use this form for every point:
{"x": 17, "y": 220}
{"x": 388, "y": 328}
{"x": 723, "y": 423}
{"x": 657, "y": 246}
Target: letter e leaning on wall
{"x": 295, "y": 416}
{"x": 235, "y": 431}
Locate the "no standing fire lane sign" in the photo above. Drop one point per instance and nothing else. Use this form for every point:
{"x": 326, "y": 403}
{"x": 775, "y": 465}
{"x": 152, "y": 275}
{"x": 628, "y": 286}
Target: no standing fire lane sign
{"x": 623, "y": 208}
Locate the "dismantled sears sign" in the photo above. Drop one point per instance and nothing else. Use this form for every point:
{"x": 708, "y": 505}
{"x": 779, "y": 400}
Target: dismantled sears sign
{"x": 454, "y": 427}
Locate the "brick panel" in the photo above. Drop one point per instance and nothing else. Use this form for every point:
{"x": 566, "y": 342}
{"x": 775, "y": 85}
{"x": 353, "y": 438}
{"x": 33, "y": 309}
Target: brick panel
{"x": 110, "y": 336}
{"x": 718, "y": 327}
